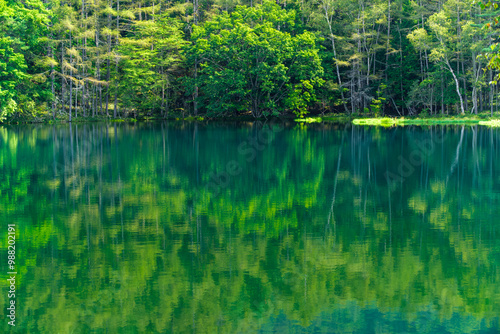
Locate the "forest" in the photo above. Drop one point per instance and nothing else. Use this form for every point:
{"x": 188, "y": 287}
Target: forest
{"x": 65, "y": 60}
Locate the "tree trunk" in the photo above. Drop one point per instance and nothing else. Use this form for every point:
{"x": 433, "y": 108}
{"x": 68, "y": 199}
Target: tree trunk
{"x": 457, "y": 86}
{"x": 108, "y": 64}
{"x": 52, "y": 84}
{"x": 63, "y": 79}
{"x": 196, "y": 86}
{"x": 70, "y": 80}
{"x": 339, "y": 79}
{"x": 115, "y": 108}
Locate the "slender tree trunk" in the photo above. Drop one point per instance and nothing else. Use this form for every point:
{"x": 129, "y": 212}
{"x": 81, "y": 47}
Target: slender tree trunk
{"x": 442, "y": 93}
{"x": 52, "y": 84}
{"x": 98, "y": 91}
{"x": 70, "y": 79}
{"x": 401, "y": 63}
{"x": 100, "y": 98}
{"x": 332, "y": 37}
{"x": 115, "y": 107}
{"x": 63, "y": 79}
{"x": 491, "y": 87}
{"x": 76, "y": 102}
{"x": 107, "y": 90}
{"x": 108, "y": 64}
{"x": 481, "y": 107}
{"x": 94, "y": 101}
{"x": 457, "y": 86}
{"x": 167, "y": 105}
{"x": 84, "y": 56}
{"x": 476, "y": 67}
{"x": 388, "y": 38}
{"x": 162, "y": 98}
{"x": 432, "y": 98}
{"x": 196, "y": 86}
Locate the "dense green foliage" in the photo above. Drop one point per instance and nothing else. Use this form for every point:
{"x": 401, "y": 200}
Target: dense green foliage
{"x": 229, "y": 57}
{"x": 21, "y": 27}
{"x": 248, "y": 63}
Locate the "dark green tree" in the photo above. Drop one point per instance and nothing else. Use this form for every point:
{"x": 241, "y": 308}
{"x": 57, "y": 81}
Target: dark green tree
{"x": 21, "y": 27}
{"x": 253, "y": 60}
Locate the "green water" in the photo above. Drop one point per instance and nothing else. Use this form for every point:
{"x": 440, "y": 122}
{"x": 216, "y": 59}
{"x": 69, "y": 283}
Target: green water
{"x": 251, "y": 228}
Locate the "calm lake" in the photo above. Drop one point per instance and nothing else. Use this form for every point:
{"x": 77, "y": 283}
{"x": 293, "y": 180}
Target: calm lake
{"x": 252, "y": 228}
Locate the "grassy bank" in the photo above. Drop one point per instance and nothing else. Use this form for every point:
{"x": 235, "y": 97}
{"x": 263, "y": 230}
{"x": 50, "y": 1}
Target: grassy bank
{"x": 491, "y": 123}
{"x": 436, "y": 120}
{"x": 413, "y": 121}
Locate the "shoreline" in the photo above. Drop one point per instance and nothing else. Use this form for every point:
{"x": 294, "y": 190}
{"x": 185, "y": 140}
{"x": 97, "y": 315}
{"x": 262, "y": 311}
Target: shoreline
{"x": 354, "y": 119}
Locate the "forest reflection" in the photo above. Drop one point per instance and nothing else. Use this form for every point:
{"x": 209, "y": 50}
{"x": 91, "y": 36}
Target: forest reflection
{"x": 119, "y": 230}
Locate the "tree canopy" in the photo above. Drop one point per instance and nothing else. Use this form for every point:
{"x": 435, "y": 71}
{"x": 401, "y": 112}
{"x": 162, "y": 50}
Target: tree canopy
{"x": 221, "y": 58}
{"x": 252, "y": 60}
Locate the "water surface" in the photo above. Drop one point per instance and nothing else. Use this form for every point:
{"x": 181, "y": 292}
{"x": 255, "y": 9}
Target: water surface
{"x": 252, "y": 228}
